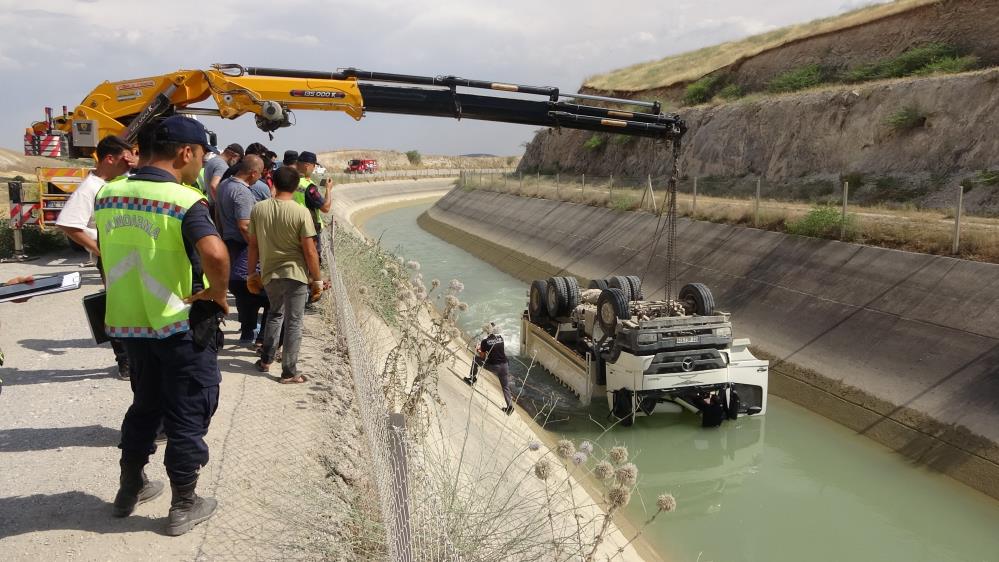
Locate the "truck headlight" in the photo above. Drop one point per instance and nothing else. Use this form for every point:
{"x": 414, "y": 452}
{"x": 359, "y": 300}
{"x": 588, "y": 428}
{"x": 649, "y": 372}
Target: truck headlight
{"x": 723, "y": 332}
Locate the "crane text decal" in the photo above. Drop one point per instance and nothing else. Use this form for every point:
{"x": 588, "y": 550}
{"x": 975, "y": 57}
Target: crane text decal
{"x": 316, "y": 94}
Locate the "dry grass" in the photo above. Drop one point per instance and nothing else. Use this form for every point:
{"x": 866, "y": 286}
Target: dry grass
{"x": 904, "y": 228}
{"x": 692, "y": 65}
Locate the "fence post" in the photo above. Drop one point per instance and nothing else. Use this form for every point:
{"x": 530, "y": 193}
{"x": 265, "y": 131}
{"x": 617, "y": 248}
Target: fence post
{"x": 652, "y": 196}
{"x": 397, "y": 424}
{"x": 557, "y": 178}
{"x": 842, "y": 222}
{"x": 582, "y": 184}
{"x": 756, "y": 205}
{"x": 957, "y": 219}
{"x": 521, "y": 174}
{"x": 538, "y": 181}
{"x": 693, "y": 205}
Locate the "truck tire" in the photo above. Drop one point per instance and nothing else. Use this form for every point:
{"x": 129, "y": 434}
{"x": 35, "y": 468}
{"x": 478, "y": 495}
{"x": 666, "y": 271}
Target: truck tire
{"x": 598, "y": 284}
{"x": 697, "y": 299}
{"x": 572, "y": 293}
{"x": 636, "y": 287}
{"x": 537, "y": 306}
{"x": 621, "y": 282}
{"x": 622, "y": 407}
{"x": 611, "y": 307}
{"x": 558, "y": 296}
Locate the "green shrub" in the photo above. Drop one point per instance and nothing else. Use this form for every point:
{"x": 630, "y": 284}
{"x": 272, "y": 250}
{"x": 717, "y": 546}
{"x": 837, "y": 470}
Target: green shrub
{"x": 913, "y": 61}
{"x": 801, "y": 78}
{"x": 622, "y": 140}
{"x": 37, "y": 242}
{"x": 595, "y": 141}
{"x": 949, "y": 66}
{"x": 624, "y": 203}
{"x": 414, "y": 156}
{"x": 822, "y": 222}
{"x": 701, "y": 91}
{"x": 730, "y": 92}
{"x": 906, "y": 119}
{"x": 987, "y": 177}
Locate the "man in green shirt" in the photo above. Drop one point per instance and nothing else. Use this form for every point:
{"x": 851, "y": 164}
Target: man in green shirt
{"x": 282, "y": 239}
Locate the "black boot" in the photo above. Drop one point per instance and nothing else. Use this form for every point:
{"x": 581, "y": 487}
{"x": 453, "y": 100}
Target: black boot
{"x": 187, "y": 509}
{"x": 134, "y": 488}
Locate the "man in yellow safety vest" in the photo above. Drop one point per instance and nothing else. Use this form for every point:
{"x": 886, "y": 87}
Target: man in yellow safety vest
{"x": 167, "y": 272}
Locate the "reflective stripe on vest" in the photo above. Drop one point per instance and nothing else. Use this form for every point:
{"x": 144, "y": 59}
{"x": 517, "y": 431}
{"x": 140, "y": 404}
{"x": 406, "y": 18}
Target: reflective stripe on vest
{"x": 299, "y": 197}
{"x": 142, "y": 250}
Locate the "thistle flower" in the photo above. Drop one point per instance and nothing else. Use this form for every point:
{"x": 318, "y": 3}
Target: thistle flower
{"x": 666, "y": 502}
{"x": 604, "y": 470}
{"x": 456, "y": 286}
{"x": 565, "y": 449}
{"x": 619, "y": 497}
{"x": 452, "y": 301}
{"x": 542, "y": 469}
{"x": 627, "y": 475}
{"x": 618, "y": 455}
{"x": 534, "y": 445}
{"x": 586, "y": 447}
{"x": 434, "y": 283}
{"x": 384, "y": 272}
{"x": 463, "y": 306}
{"x": 413, "y": 264}
{"x": 579, "y": 458}
{"x": 362, "y": 290}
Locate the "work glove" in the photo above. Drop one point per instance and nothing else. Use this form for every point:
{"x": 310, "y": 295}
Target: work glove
{"x": 254, "y": 283}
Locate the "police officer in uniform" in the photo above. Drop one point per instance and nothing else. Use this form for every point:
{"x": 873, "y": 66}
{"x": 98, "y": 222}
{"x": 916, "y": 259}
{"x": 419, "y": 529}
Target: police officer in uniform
{"x": 491, "y": 354}
{"x": 159, "y": 249}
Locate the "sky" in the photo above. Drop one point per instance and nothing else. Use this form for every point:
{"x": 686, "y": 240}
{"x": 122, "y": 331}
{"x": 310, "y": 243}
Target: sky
{"x": 53, "y": 52}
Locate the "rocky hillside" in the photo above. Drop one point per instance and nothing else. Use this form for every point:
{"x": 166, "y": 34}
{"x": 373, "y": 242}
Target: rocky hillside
{"x": 903, "y": 140}
{"x": 395, "y": 160}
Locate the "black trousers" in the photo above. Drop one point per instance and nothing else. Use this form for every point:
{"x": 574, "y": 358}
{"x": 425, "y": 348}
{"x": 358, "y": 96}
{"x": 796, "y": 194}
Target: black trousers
{"x": 177, "y": 386}
{"x": 248, "y": 307}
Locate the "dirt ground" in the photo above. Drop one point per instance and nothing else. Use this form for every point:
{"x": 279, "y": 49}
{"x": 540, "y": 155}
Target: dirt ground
{"x": 283, "y": 484}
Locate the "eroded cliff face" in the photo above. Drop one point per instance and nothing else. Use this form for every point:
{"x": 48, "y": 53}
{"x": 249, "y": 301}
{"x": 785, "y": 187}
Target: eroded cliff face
{"x": 819, "y": 138}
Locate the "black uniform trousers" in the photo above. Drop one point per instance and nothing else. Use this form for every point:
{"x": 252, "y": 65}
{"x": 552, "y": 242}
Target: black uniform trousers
{"x": 177, "y": 386}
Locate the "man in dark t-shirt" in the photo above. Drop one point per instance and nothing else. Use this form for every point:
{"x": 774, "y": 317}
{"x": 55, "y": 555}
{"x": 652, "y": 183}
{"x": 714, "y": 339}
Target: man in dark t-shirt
{"x": 491, "y": 354}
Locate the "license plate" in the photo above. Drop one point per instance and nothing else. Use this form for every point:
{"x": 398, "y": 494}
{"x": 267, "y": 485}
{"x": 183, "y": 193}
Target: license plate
{"x": 686, "y": 339}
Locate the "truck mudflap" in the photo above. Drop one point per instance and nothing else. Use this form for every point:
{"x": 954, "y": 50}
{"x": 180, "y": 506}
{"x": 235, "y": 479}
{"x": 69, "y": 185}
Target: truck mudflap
{"x": 567, "y": 367}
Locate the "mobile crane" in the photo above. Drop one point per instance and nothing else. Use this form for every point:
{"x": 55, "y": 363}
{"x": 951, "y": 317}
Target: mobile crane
{"x": 273, "y": 95}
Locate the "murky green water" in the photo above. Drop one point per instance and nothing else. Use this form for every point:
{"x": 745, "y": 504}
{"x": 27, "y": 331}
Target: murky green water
{"x": 792, "y": 486}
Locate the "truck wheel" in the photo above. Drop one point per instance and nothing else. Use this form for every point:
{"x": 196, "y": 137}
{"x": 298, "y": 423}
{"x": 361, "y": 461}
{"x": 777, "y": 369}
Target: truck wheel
{"x": 558, "y": 296}
{"x": 612, "y": 306}
{"x": 538, "y": 304}
{"x": 620, "y": 282}
{"x": 697, "y": 299}
{"x": 622, "y": 407}
{"x": 598, "y": 284}
{"x": 636, "y": 287}
{"x": 572, "y": 294}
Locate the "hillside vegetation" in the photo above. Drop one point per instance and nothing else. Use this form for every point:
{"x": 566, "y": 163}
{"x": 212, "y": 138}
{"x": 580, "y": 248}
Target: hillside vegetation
{"x": 690, "y": 66}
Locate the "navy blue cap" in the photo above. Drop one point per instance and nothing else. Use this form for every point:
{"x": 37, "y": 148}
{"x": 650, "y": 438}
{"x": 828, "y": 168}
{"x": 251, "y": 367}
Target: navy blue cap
{"x": 308, "y": 158}
{"x": 290, "y": 157}
{"x": 178, "y": 128}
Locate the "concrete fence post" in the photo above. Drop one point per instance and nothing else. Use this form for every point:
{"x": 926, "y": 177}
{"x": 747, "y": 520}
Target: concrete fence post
{"x": 693, "y": 204}
{"x": 582, "y": 183}
{"x": 557, "y": 186}
{"x": 756, "y": 204}
{"x": 842, "y": 221}
{"x": 538, "y": 184}
{"x": 400, "y": 475}
{"x": 957, "y": 219}
{"x": 521, "y": 187}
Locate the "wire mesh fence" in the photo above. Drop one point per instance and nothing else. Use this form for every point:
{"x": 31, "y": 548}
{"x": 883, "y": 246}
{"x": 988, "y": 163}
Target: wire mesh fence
{"x": 411, "y": 521}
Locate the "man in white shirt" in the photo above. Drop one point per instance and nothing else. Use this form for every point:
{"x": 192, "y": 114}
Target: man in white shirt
{"x": 114, "y": 158}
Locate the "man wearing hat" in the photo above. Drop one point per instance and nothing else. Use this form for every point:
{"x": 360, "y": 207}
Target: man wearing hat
{"x": 307, "y": 193}
{"x": 158, "y": 246}
{"x": 290, "y": 157}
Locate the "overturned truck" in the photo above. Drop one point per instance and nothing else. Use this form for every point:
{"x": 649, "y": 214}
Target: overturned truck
{"x": 645, "y": 356}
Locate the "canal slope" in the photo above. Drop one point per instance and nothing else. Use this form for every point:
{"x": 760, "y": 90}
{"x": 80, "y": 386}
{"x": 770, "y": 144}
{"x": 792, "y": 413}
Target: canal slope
{"x": 897, "y": 346}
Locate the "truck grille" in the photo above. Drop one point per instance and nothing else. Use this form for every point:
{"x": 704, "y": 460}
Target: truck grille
{"x": 686, "y": 361}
